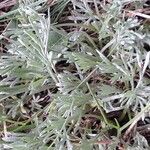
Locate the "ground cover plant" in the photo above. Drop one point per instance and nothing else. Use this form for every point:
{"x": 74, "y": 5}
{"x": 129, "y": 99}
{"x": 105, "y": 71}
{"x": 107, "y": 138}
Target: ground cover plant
{"x": 74, "y": 75}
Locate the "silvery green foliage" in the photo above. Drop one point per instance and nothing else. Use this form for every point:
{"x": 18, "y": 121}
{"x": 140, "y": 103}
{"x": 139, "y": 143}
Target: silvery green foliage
{"x": 110, "y": 73}
{"x": 67, "y": 82}
{"x": 140, "y": 143}
{"x": 126, "y": 58}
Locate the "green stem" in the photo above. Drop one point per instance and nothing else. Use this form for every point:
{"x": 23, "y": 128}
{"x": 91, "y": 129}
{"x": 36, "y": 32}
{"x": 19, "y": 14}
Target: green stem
{"x": 135, "y": 119}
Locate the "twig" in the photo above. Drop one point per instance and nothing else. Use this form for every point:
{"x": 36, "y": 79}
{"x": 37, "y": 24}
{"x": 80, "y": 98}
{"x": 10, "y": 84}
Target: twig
{"x": 135, "y": 13}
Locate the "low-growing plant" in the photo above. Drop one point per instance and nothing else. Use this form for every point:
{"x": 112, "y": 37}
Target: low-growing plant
{"x": 75, "y": 75}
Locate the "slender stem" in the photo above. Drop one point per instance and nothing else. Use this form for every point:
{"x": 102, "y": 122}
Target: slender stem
{"x": 99, "y": 106}
{"x": 133, "y": 121}
{"x": 87, "y": 77}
